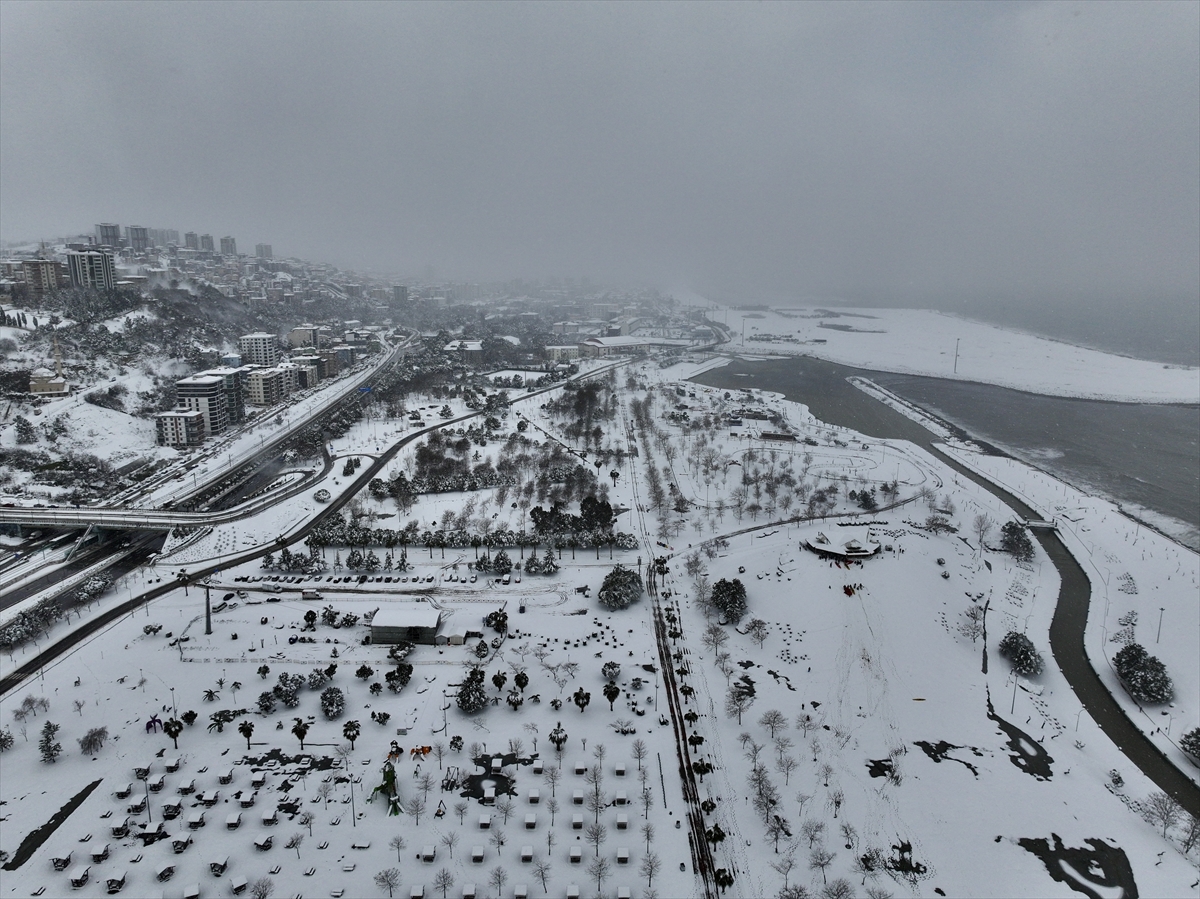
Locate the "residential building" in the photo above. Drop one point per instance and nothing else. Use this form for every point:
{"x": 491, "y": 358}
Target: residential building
{"x": 179, "y": 428}
{"x": 233, "y": 378}
{"x": 108, "y": 235}
{"x": 205, "y": 393}
{"x": 291, "y": 376}
{"x": 263, "y": 251}
{"x": 42, "y": 275}
{"x": 559, "y": 353}
{"x": 92, "y": 268}
{"x": 206, "y": 244}
{"x": 191, "y": 240}
{"x": 228, "y": 246}
{"x": 333, "y": 363}
{"x": 304, "y": 335}
{"x": 399, "y": 295}
{"x": 137, "y": 238}
{"x": 260, "y": 349}
{"x": 264, "y": 386}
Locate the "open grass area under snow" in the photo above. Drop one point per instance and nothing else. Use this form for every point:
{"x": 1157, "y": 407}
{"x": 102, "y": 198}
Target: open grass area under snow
{"x": 892, "y": 738}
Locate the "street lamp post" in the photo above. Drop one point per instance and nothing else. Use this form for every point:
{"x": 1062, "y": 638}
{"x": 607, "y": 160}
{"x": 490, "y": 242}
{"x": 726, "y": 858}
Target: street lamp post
{"x": 1161, "y": 609}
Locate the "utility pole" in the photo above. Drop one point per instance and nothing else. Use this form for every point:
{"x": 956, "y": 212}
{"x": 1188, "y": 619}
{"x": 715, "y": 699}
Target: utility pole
{"x": 956, "y": 340}
{"x": 207, "y": 612}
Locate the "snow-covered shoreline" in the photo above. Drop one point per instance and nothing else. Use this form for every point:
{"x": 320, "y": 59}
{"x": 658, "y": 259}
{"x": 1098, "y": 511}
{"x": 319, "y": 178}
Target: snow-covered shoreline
{"x": 938, "y": 345}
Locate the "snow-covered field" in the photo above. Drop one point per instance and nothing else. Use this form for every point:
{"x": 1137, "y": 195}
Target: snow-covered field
{"x": 923, "y": 342}
{"x": 893, "y": 737}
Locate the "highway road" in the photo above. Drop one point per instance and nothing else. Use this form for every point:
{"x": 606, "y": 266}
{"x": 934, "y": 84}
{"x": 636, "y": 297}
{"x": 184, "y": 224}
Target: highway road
{"x": 95, "y": 623}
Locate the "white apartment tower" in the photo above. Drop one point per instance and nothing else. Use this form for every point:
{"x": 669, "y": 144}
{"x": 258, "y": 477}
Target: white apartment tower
{"x": 260, "y": 349}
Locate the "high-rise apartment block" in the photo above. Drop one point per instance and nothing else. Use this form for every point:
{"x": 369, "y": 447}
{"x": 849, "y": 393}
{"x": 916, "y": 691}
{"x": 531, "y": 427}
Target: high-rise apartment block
{"x": 205, "y": 393}
{"x": 262, "y": 250}
{"x": 191, "y": 240}
{"x": 137, "y": 238}
{"x": 228, "y": 246}
{"x": 92, "y": 268}
{"x": 108, "y": 235}
{"x": 42, "y": 275}
{"x": 399, "y": 294}
{"x": 206, "y": 244}
{"x": 259, "y": 349}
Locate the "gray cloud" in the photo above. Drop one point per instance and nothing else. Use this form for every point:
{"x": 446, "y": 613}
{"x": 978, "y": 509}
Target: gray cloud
{"x": 888, "y": 152}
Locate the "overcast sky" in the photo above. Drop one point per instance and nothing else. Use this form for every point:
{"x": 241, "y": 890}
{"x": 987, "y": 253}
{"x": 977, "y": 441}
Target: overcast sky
{"x": 865, "y": 152}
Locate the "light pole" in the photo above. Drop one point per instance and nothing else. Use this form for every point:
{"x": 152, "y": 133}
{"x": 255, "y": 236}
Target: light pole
{"x": 1161, "y": 609}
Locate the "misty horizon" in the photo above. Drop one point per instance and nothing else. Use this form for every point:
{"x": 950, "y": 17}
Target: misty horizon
{"x": 964, "y": 156}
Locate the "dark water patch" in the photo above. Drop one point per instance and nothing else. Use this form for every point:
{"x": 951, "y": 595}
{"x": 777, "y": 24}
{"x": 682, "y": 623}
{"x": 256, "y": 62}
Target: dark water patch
{"x": 474, "y": 786}
{"x": 940, "y": 752}
{"x": 880, "y": 767}
{"x": 1027, "y": 753}
{"x": 782, "y": 677}
{"x": 36, "y": 838}
{"x": 1087, "y": 871}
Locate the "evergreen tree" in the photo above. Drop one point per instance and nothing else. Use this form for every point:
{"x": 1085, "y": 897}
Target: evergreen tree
{"x": 729, "y": 598}
{"x": 25, "y": 431}
{"x": 472, "y": 695}
{"x": 47, "y": 746}
{"x": 622, "y": 587}
{"x": 1020, "y": 651}
{"x": 1190, "y": 743}
{"x": 1015, "y": 541}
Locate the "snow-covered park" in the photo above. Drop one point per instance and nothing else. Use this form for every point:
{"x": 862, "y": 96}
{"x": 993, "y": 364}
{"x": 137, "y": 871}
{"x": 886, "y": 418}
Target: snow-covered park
{"x": 856, "y": 731}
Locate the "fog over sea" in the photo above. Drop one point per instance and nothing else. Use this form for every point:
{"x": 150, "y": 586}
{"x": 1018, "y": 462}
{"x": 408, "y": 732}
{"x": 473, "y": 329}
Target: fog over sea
{"x": 1146, "y": 457}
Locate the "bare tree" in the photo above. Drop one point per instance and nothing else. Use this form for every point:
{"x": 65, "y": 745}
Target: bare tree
{"x": 649, "y": 868}
{"x": 498, "y": 877}
{"x": 306, "y": 820}
{"x": 714, "y": 637}
{"x": 648, "y": 833}
{"x": 971, "y": 625}
{"x": 324, "y": 791}
{"x": 812, "y": 831}
{"x": 460, "y": 809}
{"x": 426, "y": 783}
{"x": 647, "y": 799}
{"x": 388, "y": 879}
{"x": 397, "y": 843}
{"x": 294, "y": 842}
{"x": 1191, "y": 832}
{"x": 506, "y": 808}
{"x": 541, "y": 871}
{"x": 981, "y": 524}
{"x": 639, "y": 751}
{"x": 416, "y": 808}
{"x": 552, "y": 808}
{"x": 784, "y": 866}
{"x": 498, "y": 840}
{"x": 450, "y": 840}
{"x": 443, "y": 881}
{"x": 786, "y": 766}
{"x": 596, "y": 834}
{"x": 841, "y": 888}
{"x": 262, "y": 888}
{"x": 601, "y": 870}
{"x": 820, "y": 859}
{"x": 552, "y": 776}
{"x": 1162, "y": 811}
{"x": 773, "y": 720}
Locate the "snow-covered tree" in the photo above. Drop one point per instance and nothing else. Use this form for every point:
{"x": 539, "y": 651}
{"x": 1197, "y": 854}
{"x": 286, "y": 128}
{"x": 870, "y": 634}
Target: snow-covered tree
{"x": 333, "y": 702}
{"x": 621, "y": 588}
{"x": 1020, "y": 651}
